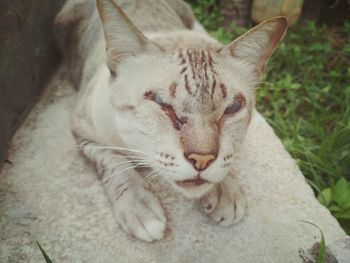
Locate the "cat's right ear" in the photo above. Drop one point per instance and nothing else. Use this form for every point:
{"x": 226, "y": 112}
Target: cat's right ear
{"x": 257, "y": 45}
{"x": 122, "y": 37}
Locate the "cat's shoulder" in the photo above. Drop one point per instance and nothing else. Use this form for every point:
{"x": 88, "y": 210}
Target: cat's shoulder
{"x": 75, "y": 11}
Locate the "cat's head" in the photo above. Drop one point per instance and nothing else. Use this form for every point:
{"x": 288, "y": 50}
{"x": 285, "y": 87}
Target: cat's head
{"x": 184, "y": 100}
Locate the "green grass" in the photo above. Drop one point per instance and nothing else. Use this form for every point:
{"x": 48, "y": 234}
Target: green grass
{"x": 305, "y": 96}
{"x": 321, "y": 255}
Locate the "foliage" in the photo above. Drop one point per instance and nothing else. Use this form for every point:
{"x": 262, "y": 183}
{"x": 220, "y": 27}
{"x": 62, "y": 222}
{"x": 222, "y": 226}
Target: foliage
{"x": 337, "y": 199}
{"x": 305, "y": 96}
{"x": 208, "y": 13}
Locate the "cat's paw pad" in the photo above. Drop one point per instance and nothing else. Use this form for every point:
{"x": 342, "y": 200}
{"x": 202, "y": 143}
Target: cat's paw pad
{"x": 140, "y": 215}
{"x": 225, "y": 207}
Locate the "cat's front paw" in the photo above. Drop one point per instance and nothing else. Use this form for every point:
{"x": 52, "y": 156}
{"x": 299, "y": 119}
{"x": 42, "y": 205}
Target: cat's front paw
{"x": 226, "y": 205}
{"x": 140, "y": 214}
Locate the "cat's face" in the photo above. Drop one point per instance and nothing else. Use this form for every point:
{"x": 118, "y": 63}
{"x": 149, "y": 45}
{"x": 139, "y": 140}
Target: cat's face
{"x": 186, "y": 109}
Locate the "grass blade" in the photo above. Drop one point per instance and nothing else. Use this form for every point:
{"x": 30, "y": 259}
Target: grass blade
{"x": 321, "y": 257}
{"x": 47, "y": 259}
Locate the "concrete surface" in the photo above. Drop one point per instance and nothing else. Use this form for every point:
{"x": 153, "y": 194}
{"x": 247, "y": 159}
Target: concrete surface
{"x": 49, "y": 193}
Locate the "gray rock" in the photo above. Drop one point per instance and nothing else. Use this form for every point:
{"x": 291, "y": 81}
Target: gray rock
{"x": 51, "y": 194}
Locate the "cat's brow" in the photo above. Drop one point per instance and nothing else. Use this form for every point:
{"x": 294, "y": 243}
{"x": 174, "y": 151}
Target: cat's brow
{"x": 223, "y": 90}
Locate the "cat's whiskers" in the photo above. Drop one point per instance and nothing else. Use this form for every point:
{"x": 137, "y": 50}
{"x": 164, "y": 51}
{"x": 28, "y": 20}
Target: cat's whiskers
{"x": 147, "y": 179}
{"x": 89, "y": 146}
{"x": 121, "y": 163}
{"x": 133, "y": 158}
{"x": 139, "y": 165}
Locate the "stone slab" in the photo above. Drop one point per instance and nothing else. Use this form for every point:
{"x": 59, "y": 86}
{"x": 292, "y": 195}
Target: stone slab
{"x": 50, "y": 193}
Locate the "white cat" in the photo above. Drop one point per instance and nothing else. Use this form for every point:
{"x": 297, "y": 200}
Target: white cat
{"x": 156, "y": 91}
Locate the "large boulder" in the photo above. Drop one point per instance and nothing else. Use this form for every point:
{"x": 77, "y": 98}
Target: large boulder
{"x": 51, "y": 194}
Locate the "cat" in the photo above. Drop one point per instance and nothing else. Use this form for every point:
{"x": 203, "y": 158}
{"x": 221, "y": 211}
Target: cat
{"x": 155, "y": 90}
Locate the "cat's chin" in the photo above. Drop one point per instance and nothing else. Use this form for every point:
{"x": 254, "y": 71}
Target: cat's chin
{"x": 193, "y": 190}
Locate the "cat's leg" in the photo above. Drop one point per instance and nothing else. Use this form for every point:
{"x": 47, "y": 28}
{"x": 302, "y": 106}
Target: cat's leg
{"x": 226, "y": 203}
{"x": 137, "y": 211}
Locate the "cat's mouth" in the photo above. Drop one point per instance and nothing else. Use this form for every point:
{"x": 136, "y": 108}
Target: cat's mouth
{"x": 197, "y": 181}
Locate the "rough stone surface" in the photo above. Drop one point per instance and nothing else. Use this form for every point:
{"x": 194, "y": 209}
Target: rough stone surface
{"x": 27, "y": 58}
{"x": 52, "y": 195}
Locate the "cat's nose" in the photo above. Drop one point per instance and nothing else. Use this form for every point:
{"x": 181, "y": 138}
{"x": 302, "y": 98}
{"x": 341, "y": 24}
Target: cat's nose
{"x": 200, "y": 161}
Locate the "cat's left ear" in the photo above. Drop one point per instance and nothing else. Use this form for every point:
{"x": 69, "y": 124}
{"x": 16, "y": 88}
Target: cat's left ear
{"x": 122, "y": 37}
{"x": 257, "y": 45}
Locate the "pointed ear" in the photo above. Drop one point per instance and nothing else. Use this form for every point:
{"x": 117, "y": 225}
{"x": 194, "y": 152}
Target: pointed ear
{"x": 122, "y": 37}
{"x": 257, "y": 45}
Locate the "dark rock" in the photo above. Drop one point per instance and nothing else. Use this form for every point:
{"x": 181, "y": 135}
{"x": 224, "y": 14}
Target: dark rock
{"x": 27, "y": 58}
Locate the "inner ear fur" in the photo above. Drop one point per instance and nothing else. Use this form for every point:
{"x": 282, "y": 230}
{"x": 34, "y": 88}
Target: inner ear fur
{"x": 257, "y": 45}
{"x": 122, "y": 37}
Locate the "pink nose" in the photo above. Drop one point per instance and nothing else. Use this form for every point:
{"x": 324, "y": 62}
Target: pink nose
{"x": 200, "y": 161}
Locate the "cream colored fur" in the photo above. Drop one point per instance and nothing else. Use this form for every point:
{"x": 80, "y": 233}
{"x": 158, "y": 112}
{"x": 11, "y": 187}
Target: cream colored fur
{"x": 152, "y": 47}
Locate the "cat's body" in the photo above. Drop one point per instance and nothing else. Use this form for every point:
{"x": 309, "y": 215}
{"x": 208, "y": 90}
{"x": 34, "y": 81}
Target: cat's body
{"x": 203, "y": 111}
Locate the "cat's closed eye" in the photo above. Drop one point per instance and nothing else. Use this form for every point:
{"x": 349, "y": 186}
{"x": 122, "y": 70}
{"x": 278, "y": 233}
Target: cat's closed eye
{"x": 177, "y": 122}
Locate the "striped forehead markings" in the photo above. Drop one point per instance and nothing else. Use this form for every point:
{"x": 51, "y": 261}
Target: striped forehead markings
{"x": 213, "y": 89}
{"x": 172, "y": 90}
{"x": 198, "y": 68}
{"x": 187, "y": 86}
